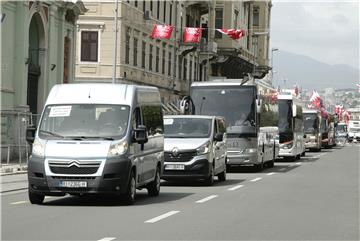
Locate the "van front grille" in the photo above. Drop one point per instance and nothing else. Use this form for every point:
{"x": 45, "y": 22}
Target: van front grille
{"x": 74, "y": 167}
{"x": 180, "y": 157}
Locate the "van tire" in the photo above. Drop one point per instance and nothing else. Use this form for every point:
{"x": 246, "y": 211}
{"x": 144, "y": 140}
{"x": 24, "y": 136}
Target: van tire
{"x": 154, "y": 186}
{"x": 129, "y": 196}
{"x": 35, "y": 198}
{"x": 222, "y": 176}
{"x": 210, "y": 180}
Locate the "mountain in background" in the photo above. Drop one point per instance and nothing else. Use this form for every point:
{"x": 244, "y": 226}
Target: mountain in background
{"x": 310, "y": 74}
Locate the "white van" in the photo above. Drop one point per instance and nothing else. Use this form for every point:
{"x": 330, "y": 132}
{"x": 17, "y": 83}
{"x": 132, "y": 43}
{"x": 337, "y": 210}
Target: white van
{"x": 97, "y": 138}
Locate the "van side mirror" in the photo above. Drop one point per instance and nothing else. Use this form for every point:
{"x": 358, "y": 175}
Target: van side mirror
{"x": 30, "y": 134}
{"x": 218, "y": 137}
{"x": 140, "y": 134}
{"x": 258, "y": 105}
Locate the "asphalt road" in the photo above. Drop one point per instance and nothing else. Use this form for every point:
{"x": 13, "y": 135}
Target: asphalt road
{"x": 316, "y": 198}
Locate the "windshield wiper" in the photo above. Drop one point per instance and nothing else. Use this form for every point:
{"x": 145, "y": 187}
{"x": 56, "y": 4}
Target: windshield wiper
{"x": 79, "y": 138}
{"x": 51, "y": 133}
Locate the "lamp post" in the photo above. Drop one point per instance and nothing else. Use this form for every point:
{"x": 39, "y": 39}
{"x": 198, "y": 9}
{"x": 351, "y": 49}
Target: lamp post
{"x": 272, "y": 63}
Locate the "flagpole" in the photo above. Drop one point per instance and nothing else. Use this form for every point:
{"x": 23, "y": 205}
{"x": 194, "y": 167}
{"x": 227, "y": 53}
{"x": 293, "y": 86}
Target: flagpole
{"x": 115, "y": 40}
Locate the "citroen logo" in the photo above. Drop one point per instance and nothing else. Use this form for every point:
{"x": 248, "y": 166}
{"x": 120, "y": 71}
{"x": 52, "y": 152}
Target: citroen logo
{"x": 175, "y": 152}
{"x": 74, "y": 163}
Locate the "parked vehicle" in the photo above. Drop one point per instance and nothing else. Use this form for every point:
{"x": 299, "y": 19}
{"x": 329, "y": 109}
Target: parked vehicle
{"x": 324, "y": 129}
{"x": 331, "y": 131}
{"x": 354, "y": 131}
{"x": 341, "y": 133}
{"x": 245, "y": 109}
{"x": 312, "y": 120}
{"x": 291, "y": 129}
{"x": 195, "y": 148}
{"x": 97, "y": 139}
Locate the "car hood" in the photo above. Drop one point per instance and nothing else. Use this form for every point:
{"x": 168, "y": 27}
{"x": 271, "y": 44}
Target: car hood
{"x": 183, "y": 143}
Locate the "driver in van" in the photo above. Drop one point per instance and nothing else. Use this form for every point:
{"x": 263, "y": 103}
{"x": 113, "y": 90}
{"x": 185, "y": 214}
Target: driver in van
{"x": 242, "y": 121}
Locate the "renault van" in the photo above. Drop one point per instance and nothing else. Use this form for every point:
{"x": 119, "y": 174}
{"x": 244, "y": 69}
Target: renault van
{"x": 97, "y": 139}
{"x": 195, "y": 148}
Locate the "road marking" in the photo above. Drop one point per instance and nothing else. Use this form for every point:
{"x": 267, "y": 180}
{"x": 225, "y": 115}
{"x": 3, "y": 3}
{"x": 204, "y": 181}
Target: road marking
{"x": 298, "y": 163}
{"x": 206, "y": 199}
{"x": 19, "y": 202}
{"x": 256, "y": 179}
{"x": 271, "y": 173}
{"x": 234, "y": 188}
{"x": 282, "y": 169}
{"x": 156, "y": 219}
{"x": 107, "y": 239}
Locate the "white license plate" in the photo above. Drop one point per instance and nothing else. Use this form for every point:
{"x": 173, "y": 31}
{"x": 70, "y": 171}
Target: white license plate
{"x": 73, "y": 184}
{"x": 174, "y": 167}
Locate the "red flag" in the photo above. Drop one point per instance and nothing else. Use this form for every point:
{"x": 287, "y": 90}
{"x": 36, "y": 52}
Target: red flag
{"x": 162, "y": 31}
{"x": 232, "y": 33}
{"x": 192, "y": 35}
{"x": 274, "y": 96}
{"x": 315, "y": 99}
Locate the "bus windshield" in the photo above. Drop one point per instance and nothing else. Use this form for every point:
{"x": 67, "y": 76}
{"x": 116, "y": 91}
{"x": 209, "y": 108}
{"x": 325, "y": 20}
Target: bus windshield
{"x": 285, "y": 116}
{"x": 311, "y": 123}
{"x": 235, "y": 103}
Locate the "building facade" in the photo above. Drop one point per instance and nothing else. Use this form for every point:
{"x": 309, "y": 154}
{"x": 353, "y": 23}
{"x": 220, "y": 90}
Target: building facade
{"x": 38, "y": 40}
{"x": 171, "y": 65}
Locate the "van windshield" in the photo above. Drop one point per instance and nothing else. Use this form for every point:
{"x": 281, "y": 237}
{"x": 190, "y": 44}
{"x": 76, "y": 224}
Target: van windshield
{"x": 84, "y": 121}
{"x": 187, "y": 127}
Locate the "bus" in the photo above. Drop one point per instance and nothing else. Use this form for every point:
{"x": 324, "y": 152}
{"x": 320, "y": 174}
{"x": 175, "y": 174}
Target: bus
{"x": 312, "y": 120}
{"x": 291, "y": 129}
{"x": 247, "y": 109}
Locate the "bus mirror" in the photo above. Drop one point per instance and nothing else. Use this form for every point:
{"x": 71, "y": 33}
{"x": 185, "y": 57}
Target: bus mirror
{"x": 258, "y": 105}
{"x": 294, "y": 110}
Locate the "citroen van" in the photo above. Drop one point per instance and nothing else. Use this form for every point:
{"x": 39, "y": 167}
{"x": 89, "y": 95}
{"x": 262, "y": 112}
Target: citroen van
{"x": 97, "y": 139}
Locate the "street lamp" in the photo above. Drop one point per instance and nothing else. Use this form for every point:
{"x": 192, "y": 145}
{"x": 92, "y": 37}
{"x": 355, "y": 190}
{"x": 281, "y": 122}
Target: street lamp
{"x": 272, "y": 63}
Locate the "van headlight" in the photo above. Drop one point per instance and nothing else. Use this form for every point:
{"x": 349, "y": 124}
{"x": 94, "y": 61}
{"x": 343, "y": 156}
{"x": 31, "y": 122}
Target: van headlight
{"x": 287, "y": 145}
{"x": 204, "y": 149}
{"x": 118, "y": 149}
{"x": 38, "y": 148}
{"x": 251, "y": 150}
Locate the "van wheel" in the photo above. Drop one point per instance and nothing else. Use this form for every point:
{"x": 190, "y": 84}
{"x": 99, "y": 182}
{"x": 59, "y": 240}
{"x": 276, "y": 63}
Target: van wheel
{"x": 129, "y": 196}
{"x": 222, "y": 176}
{"x": 259, "y": 167}
{"x": 303, "y": 154}
{"x": 35, "y": 198}
{"x": 154, "y": 186}
{"x": 210, "y": 180}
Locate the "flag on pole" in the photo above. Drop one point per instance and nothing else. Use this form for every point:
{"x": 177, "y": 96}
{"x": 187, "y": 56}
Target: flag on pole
{"x": 162, "y": 31}
{"x": 192, "y": 35}
{"x": 315, "y": 99}
{"x": 232, "y": 33}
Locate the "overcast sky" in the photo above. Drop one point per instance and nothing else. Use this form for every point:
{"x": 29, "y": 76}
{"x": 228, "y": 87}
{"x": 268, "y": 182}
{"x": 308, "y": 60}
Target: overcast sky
{"x": 327, "y": 31}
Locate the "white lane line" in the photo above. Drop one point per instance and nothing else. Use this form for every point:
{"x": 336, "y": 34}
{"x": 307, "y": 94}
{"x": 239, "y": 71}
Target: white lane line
{"x": 298, "y": 163}
{"x": 235, "y": 187}
{"x": 206, "y": 199}
{"x": 158, "y": 218}
{"x": 107, "y": 239}
{"x": 256, "y": 179}
{"x": 282, "y": 169}
{"x": 20, "y": 202}
{"x": 270, "y": 173}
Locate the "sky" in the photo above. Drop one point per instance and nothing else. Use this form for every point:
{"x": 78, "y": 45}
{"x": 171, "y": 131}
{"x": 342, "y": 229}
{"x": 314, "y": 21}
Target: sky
{"x": 326, "y": 30}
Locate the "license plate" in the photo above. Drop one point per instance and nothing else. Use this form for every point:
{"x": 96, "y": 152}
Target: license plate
{"x": 73, "y": 184}
{"x": 174, "y": 167}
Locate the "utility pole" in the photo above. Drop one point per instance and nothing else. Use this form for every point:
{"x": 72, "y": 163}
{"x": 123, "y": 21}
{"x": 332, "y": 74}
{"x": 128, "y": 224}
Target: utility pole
{"x": 115, "y": 40}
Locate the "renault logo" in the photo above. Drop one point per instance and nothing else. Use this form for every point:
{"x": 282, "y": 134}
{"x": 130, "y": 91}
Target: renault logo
{"x": 175, "y": 152}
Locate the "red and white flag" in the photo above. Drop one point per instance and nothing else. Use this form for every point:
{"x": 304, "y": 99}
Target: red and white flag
{"x": 192, "y": 35}
{"x": 232, "y": 33}
{"x": 162, "y": 31}
{"x": 315, "y": 99}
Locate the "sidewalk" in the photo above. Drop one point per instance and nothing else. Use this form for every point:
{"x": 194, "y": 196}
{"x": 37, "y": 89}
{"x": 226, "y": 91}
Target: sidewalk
{"x": 10, "y": 169}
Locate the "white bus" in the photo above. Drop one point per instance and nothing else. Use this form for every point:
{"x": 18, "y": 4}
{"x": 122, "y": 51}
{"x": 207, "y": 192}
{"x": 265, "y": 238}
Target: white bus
{"x": 291, "y": 128}
{"x": 245, "y": 110}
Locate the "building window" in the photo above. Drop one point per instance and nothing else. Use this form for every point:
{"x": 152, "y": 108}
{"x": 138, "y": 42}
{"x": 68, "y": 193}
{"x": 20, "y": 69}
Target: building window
{"x": 136, "y": 3}
{"x": 185, "y": 69}
{"x": 150, "y": 57}
{"x": 143, "y": 53}
{"x": 256, "y": 17}
{"x": 169, "y": 64}
{"x": 164, "y": 11}
{"x": 236, "y": 16}
{"x": 135, "y": 51}
{"x": 144, "y": 5}
{"x": 163, "y": 61}
{"x": 158, "y": 10}
{"x": 170, "y": 14}
{"x": 151, "y": 5}
{"x": 218, "y": 21}
{"x": 157, "y": 59}
{"x": 190, "y": 71}
{"x": 89, "y": 46}
{"x": 127, "y": 46}
{"x": 180, "y": 67}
